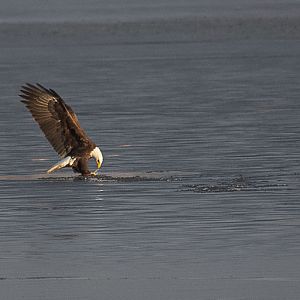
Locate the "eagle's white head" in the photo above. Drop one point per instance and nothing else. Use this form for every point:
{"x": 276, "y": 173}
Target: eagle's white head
{"x": 97, "y": 155}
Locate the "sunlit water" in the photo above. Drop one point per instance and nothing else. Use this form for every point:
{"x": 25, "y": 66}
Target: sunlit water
{"x": 199, "y": 191}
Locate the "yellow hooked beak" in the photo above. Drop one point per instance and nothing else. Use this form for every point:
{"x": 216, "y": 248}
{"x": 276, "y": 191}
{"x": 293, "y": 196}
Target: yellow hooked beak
{"x": 98, "y": 164}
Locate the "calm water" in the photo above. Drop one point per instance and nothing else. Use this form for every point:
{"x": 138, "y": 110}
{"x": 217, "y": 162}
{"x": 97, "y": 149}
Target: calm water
{"x": 200, "y": 198}
{"x": 116, "y": 10}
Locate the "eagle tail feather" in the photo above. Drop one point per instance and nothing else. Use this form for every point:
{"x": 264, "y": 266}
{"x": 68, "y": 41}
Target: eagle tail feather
{"x": 66, "y": 162}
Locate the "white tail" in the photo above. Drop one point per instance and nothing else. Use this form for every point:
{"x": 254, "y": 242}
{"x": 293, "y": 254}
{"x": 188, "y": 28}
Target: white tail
{"x": 68, "y": 161}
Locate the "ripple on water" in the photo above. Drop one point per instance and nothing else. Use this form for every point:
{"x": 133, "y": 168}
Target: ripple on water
{"x": 237, "y": 184}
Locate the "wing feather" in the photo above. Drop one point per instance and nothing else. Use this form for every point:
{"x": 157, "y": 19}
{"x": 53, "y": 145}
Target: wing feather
{"x": 57, "y": 120}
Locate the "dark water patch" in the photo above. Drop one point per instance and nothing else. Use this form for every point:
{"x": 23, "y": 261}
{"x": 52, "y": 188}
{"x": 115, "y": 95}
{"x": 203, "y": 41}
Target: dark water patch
{"x": 124, "y": 177}
{"x": 107, "y": 178}
{"x": 238, "y": 184}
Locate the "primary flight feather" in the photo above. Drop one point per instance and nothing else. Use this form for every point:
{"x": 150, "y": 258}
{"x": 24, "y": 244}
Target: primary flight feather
{"x": 62, "y": 129}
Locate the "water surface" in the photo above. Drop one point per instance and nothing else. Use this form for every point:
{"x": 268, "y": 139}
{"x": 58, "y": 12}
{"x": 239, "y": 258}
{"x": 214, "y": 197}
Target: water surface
{"x": 198, "y": 197}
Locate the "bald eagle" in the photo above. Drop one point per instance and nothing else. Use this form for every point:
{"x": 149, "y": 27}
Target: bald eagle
{"x": 62, "y": 129}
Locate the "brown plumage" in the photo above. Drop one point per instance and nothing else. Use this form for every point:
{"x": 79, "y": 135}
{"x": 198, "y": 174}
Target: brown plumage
{"x": 59, "y": 124}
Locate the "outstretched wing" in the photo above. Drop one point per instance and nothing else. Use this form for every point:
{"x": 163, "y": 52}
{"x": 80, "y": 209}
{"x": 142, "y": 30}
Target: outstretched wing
{"x": 57, "y": 120}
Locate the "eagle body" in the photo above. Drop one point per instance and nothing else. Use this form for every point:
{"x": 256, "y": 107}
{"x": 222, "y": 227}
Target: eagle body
{"x": 80, "y": 165}
{"x": 61, "y": 127}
